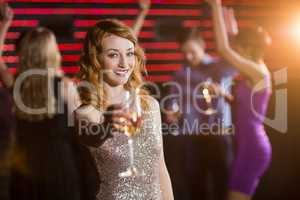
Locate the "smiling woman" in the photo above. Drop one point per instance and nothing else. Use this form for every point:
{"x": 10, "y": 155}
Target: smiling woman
{"x": 110, "y": 52}
{"x": 118, "y": 59}
{"x": 112, "y": 64}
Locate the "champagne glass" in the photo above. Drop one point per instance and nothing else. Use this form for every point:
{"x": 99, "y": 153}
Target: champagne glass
{"x": 206, "y": 92}
{"x": 133, "y": 107}
{"x": 175, "y": 110}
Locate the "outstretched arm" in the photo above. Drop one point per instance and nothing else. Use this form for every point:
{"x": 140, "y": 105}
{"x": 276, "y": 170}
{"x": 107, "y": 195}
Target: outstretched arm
{"x": 247, "y": 67}
{"x": 6, "y": 18}
{"x": 139, "y": 21}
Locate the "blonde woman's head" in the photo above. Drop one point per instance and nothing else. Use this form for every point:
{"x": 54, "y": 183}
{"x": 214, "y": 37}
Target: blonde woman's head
{"x": 111, "y": 55}
{"x": 37, "y": 50}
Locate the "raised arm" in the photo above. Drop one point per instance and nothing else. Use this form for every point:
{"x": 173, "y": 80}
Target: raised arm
{"x": 252, "y": 70}
{"x": 6, "y": 17}
{"x": 139, "y": 21}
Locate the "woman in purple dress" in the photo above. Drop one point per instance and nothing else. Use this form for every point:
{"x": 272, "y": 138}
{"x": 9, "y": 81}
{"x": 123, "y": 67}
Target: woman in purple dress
{"x": 252, "y": 92}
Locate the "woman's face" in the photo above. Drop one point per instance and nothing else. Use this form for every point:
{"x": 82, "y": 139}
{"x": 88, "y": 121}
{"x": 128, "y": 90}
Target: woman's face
{"x": 118, "y": 60}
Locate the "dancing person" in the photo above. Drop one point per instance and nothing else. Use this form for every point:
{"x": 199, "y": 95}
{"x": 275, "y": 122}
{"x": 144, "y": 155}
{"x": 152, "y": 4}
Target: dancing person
{"x": 112, "y": 63}
{"x": 44, "y": 162}
{"x": 205, "y": 151}
{"x": 251, "y": 96}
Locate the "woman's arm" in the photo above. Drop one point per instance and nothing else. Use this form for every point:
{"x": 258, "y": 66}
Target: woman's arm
{"x": 93, "y": 127}
{"x": 139, "y": 21}
{"x": 89, "y": 128}
{"x": 246, "y": 66}
{"x": 6, "y": 17}
{"x": 165, "y": 181}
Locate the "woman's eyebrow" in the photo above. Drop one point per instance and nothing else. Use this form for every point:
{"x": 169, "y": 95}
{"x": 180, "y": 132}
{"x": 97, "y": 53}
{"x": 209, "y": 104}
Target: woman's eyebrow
{"x": 111, "y": 49}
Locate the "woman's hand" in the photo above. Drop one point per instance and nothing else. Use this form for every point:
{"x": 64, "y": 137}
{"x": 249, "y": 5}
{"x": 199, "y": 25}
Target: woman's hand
{"x": 230, "y": 21}
{"x": 228, "y": 15}
{"x": 212, "y": 2}
{"x": 116, "y": 119}
{"x": 217, "y": 90}
{"x": 6, "y": 14}
{"x": 145, "y": 4}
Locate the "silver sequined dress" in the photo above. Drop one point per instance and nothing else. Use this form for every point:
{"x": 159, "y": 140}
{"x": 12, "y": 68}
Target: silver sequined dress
{"x": 113, "y": 157}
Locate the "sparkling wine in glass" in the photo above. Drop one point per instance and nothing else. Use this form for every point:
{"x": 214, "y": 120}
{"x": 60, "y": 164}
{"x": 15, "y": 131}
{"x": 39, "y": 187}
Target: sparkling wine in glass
{"x": 206, "y": 92}
{"x": 133, "y": 107}
{"x": 175, "y": 110}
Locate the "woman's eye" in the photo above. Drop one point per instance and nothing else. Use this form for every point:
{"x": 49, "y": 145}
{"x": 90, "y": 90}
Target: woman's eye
{"x": 113, "y": 55}
{"x": 130, "y": 54}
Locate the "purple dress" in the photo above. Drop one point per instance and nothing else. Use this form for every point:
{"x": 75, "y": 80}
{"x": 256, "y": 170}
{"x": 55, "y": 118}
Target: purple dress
{"x": 253, "y": 149}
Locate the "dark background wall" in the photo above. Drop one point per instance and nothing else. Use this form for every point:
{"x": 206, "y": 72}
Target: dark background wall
{"x": 71, "y": 18}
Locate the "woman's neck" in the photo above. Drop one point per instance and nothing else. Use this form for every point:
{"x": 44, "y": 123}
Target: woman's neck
{"x": 114, "y": 94}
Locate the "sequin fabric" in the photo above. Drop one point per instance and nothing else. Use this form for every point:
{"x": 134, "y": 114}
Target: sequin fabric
{"x": 113, "y": 157}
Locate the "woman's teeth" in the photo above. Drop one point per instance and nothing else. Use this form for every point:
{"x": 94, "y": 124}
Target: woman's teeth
{"x": 121, "y": 72}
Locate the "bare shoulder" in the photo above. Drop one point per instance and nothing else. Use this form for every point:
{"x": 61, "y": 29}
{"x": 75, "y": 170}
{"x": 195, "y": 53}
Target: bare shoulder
{"x": 88, "y": 112}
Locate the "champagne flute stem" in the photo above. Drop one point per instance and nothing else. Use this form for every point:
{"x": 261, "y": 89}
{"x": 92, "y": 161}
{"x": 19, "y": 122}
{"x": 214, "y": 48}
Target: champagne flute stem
{"x": 131, "y": 158}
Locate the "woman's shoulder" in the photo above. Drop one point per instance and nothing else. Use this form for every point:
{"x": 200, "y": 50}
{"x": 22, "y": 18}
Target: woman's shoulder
{"x": 152, "y": 103}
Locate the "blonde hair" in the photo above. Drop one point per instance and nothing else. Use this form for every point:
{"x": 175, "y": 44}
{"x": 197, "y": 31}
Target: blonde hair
{"x": 91, "y": 62}
{"x": 34, "y": 53}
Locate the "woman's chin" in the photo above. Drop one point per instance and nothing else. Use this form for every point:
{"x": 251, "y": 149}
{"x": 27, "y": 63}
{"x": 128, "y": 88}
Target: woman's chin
{"x": 117, "y": 82}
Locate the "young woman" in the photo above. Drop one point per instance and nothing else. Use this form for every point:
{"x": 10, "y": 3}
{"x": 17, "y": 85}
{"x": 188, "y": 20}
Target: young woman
{"x": 47, "y": 161}
{"x": 253, "y": 149}
{"x": 112, "y": 64}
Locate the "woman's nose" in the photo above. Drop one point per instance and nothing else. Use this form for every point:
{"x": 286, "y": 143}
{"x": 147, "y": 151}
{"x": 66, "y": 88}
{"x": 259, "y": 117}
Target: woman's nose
{"x": 123, "y": 61}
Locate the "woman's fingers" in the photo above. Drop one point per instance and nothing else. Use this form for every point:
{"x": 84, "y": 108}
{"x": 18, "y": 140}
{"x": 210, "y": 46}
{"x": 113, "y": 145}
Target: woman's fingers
{"x": 230, "y": 21}
{"x": 117, "y": 118}
{"x": 122, "y": 120}
{"x": 145, "y": 4}
{"x": 118, "y": 128}
{"x": 9, "y": 13}
{"x": 6, "y": 12}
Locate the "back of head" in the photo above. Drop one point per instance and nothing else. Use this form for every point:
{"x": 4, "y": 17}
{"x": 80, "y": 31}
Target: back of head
{"x": 37, "y": 50}
{"x": 252, "y": 42}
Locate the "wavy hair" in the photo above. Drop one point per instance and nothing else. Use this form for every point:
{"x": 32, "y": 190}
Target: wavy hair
{"x": 35, "y": 53}
{"x": 91, "y": 62}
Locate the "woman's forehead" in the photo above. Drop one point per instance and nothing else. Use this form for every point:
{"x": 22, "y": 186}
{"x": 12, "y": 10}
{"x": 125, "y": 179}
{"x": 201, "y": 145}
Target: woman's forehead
{"x": 116, "y": 42}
